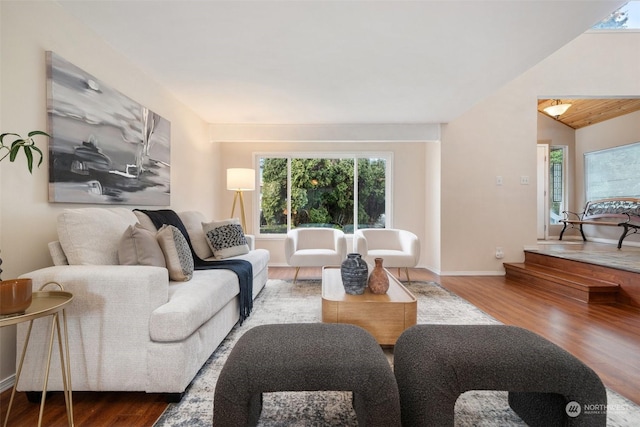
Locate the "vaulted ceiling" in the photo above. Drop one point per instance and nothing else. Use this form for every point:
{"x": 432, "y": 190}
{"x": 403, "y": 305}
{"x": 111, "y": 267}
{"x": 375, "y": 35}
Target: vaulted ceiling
{"x": 366, "y": 61}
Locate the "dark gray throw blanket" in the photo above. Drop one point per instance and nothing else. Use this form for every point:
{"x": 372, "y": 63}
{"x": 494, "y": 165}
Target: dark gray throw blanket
{"x": 242, "y": 268}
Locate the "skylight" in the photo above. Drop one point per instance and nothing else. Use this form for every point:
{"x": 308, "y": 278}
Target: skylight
{"x": 627, "y": 17}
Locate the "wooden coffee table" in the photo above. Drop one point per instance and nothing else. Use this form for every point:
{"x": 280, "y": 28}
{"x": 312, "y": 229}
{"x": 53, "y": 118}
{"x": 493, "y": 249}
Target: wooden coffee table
{"x": 384, "y": 316}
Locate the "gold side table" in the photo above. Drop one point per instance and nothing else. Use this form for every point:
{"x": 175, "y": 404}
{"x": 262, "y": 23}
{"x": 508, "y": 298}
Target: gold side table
{"x": 46, "y": 303}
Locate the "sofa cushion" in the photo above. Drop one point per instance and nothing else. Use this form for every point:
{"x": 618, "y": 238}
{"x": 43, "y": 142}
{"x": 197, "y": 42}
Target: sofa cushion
{"x": 192, "y": 221}
{"x": 226, "y": 238}
{"x": 177, "y": 253}
{"x": 90, "y": 236}
{"x": 139, "y": 246}
{"x": 193, "y": 303}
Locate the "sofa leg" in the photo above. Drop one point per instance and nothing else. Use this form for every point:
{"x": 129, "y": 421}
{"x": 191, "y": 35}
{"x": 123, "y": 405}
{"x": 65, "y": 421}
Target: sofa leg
{"x": 173, "y": 397}
{"x": 406, "y": 271}
{"x": 295, "y": 277}
{"x": 35, "y": 396}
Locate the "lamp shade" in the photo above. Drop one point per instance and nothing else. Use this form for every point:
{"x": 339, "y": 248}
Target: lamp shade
{"x": 241, "y": 179}
{"x": 557, "y": 108}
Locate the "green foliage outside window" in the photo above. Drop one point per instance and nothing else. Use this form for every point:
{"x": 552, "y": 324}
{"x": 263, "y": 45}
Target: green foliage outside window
{"x": 322, "y": 193}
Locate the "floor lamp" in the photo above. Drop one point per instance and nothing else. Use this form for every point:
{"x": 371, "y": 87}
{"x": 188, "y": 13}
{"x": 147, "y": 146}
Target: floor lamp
{"x": 240, "y": 180}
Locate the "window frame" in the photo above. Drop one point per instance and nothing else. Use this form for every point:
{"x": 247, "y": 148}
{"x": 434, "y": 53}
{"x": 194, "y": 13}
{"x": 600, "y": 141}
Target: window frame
{"x": 386, "y": 155}
{"x": 617, "y": 154}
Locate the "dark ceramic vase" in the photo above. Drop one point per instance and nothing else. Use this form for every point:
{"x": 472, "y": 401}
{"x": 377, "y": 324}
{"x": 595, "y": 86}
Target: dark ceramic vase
{"x": 354, "y": 272}
{"x": 378, "y": 280}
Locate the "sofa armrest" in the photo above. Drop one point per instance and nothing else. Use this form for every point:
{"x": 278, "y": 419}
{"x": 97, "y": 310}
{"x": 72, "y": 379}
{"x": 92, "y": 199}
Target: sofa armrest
{"x": 360, "y": 244}
{"x": 108, "y": 323}
{"x": 410, "y": 244}
{"x": 251, "y": 241}
{"x": 146, "y": 287}
{"x": 290, "y": 243}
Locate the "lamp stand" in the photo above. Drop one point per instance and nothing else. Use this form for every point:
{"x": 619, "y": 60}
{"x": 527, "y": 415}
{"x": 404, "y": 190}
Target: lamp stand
{"x": 240, "y": 196}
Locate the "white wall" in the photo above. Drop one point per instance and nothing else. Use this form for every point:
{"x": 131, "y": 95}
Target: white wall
{"x": 498, "y": 137}
{"x": 27, "y": 220}
{"x": 431, "y": 241}
{"x": 495, "y": 138}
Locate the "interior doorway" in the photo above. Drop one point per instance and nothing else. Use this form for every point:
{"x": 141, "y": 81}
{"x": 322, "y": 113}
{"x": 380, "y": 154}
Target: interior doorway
{"x": 542, "y": 191}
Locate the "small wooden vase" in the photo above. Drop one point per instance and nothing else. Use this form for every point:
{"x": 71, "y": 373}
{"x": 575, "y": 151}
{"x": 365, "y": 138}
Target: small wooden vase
{"x": 378, "y": 280}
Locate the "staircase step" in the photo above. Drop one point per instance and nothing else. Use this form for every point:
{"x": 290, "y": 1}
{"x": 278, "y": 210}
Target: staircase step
{"x": 583, "y": 288}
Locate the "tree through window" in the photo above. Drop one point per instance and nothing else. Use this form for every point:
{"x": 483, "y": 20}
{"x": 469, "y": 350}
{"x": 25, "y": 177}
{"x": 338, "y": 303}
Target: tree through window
{"x": 323, "y": 192}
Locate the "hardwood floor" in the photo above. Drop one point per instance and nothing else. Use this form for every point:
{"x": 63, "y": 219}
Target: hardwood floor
{"x": 605, "y": 337}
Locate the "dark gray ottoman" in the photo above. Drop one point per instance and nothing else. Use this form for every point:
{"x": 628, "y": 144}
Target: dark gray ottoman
{"x": 434, "y": 364}
{"x": 306, "y": 357}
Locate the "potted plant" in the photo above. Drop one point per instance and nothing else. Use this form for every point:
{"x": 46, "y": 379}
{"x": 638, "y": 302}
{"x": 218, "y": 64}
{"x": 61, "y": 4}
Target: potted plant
{"x": 16, "y": 293}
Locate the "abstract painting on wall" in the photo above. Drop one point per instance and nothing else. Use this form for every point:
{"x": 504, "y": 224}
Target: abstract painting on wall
{"x": 105, "y": 147}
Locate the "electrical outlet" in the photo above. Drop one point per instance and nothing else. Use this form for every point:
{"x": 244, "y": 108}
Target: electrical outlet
{"x": 499, "y": 253}
{"x": 499, "y": 180}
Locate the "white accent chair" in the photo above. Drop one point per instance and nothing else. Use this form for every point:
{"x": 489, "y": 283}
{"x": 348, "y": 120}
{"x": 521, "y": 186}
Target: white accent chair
{"x": 314, "y": 247}
{"x": 398, "y": 248}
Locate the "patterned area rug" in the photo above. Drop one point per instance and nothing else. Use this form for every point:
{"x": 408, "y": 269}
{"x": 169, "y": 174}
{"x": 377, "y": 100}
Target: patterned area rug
{"x": 283, "y": 302}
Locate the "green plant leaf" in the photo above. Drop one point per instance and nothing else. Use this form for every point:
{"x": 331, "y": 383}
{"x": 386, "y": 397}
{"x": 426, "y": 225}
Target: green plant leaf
{"x": 14, "y": 152}
{"x": 29, "y": 154}
{"x": 36, "y": 149}
{"x": 37, "y": 132}
{"x": 6, "y": 134}
{"x": 18, "y": 142}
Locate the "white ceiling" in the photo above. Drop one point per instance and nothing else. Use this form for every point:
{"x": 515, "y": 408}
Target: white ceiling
{"x": 336, "y": 61}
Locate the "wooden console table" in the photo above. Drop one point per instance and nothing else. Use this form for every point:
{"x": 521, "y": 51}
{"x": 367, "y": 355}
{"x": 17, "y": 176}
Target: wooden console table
{"x": 46, "y": 303}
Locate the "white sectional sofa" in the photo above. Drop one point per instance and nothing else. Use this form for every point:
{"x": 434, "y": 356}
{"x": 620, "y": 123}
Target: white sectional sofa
{"x": 130, "y": 327}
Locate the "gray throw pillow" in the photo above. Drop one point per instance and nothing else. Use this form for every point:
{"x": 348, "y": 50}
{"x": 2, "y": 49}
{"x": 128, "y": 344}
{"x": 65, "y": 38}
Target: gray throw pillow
{"x": 177, "y": 253}
{"x": 226, "y": 238}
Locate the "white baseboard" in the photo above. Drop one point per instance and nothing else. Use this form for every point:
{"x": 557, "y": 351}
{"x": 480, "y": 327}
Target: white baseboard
{"x": 7, "y": 383}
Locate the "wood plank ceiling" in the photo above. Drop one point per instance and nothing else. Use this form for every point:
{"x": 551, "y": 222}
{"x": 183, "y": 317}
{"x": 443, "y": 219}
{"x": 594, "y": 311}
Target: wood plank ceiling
{"x": 584, "y": 112}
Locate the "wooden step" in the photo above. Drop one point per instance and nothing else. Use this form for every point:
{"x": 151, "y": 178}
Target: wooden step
{"x": 576, "y": 267}
{"x": 583, "y": 288}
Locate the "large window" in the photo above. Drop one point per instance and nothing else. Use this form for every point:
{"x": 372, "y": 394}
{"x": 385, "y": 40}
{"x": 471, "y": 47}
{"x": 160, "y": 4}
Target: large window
{"x": 612, "y": 172}
{"x": 323, "y": 191}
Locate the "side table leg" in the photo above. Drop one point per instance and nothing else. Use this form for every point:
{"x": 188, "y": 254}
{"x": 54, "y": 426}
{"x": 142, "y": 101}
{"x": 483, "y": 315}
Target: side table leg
{"x": 54, "y": 321}
{"x": 65, "y": 367}
{"x": 18, "y": 372}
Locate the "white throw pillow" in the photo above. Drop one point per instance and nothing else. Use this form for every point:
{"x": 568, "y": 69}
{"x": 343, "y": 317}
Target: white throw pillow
{"x": 145, "y": 221}
{"x": 139, "y": 246}
{"x": 177, "y": 253}
{"x": 90, "y": 236}
{"x": 226, "y": 238}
